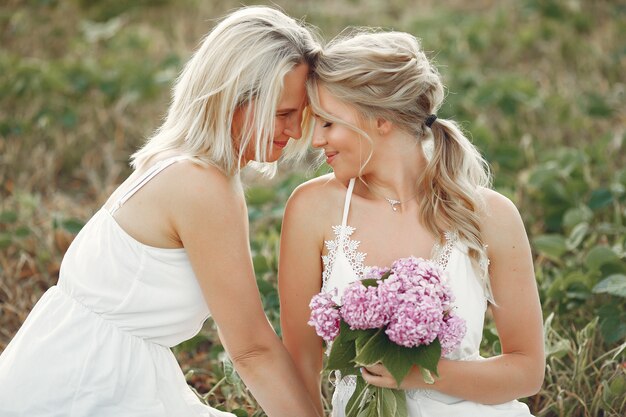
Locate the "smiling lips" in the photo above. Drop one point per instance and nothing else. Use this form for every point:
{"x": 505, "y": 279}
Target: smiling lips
{"x": 280, "y": 144}
{"x": 330, "y": 156}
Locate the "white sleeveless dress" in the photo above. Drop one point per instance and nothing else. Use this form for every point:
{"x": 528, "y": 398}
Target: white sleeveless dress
{"x": 345, "y": 264}
{"x": 98, "y": 343}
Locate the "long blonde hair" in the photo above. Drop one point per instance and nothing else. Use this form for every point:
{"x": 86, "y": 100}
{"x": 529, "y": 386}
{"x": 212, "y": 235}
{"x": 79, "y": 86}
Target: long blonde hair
{"x": 387, "y": 75}
{"x": 243, "y": 60}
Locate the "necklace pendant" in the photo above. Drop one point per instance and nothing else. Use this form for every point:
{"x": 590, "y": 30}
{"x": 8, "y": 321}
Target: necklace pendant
{"x": 393, "y": 203}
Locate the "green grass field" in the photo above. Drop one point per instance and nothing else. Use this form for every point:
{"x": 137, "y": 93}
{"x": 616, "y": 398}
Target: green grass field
{"x": 539, "y": 85}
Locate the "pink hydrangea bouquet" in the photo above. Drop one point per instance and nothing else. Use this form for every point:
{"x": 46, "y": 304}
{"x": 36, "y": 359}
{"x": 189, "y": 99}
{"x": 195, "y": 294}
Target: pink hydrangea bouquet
{"x": 400, "y": 316}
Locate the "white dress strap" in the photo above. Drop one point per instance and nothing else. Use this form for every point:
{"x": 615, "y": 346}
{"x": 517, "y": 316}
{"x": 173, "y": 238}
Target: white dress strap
{"x": 346, "y": 205}
{"x": 143, "y": 179}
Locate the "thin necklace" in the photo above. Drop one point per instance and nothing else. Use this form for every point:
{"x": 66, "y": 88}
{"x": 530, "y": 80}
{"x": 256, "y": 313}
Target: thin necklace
{"x": 395, "y": 203}
{"x": 392, "y": 201}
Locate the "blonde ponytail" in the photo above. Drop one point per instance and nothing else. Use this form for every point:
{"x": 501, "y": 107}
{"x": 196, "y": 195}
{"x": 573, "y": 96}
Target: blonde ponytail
{"x": 451, "y": 182}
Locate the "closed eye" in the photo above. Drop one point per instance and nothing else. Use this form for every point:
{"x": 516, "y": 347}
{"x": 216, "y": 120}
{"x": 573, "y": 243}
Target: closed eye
{"x": 324, "y": 123}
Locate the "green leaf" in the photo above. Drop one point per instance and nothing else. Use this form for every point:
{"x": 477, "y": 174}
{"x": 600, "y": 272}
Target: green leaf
{"x": 577, "y": 235}
{"x": 371, "y": 350}
{"x": 618, "y": 386}
{"x": 72, "y": 225}
{"x": 428, "y": 356}
{"x": 358, "y": 397}
{"x": 8, "y": 217}
{"x": 229, "y": 372}
{"x": 559, "y": 348}
{"x": 369, "y": 282}
{"x": 257, "y": 196}
{"x": 574, "y": 216}
{"x": 552, "y": 246}
{"x": 265, "y": 288}
{"x": 5, "y": 240}
{"x": 398, "y": 360}
{"x": 613, "y": 284}
{"x": 342, "y": 352}
{"x": 600, "y": 198}
{"x": 387, "y": 404}
{"x": 427, "y": 375}
{"x": 261, "y": 264}
{"x": 599, "y": 256}
{"x": 401, "y": 410}
{"x": 370, "y": 410}
{"x": 361, "y": 335}
{"x": 613, "y": 327}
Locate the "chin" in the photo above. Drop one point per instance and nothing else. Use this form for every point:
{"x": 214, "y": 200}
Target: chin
{"x": 273, "y": 158}
{"x": 344, "y": 176}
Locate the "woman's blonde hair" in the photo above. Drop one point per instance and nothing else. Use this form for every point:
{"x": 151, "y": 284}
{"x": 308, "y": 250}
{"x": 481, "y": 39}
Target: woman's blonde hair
{"x": 387, "y": 75}
{"x": 243, "y": 60}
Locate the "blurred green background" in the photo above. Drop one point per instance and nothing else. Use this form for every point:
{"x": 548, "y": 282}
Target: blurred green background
{"x": 539, "y": 86}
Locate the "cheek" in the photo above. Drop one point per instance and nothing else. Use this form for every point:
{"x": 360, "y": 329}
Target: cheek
{"x": 279, "y": 127}
{"x": 346, "y": 139}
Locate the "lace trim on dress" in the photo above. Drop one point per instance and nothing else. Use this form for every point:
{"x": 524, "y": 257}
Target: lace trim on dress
{"x": 349, "y": 247}
{"x": 441, "y": 254}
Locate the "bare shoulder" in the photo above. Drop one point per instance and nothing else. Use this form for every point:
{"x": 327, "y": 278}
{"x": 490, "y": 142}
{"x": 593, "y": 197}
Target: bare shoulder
{"x": 497, "y": 206}
{"x": 322, "y": 195}
{"x": 314, "y": 206}
{"x": 500, "y": 219}
{"x": 192, "y": 186}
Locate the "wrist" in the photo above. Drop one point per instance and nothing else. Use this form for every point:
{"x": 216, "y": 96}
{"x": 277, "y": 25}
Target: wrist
{"x": 415, "y": 378}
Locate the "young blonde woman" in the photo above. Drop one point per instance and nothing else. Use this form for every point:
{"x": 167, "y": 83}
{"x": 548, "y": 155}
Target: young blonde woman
{"x": 171, "y": 247}
{"x": 406, "y": 183}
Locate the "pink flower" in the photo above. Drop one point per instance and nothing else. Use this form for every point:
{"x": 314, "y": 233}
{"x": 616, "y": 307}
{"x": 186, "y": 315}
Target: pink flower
{"x": 412, "y": 304}
{"x": 451, "y": 333}
{"x": 375, "y": 272}
{"x": 365, "y": 307}
{"x": 416, "y": 321}
{"x": 324, "y": 316}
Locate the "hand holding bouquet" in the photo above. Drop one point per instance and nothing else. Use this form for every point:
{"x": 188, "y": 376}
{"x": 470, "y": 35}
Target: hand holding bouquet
{"x": 399, "y": 317}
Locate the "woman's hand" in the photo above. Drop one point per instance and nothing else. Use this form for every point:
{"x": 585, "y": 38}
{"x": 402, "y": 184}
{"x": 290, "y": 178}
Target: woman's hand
{"x": 379, "y": 376}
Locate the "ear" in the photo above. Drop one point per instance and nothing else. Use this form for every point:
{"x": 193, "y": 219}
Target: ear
{"x": 384, "y": 126}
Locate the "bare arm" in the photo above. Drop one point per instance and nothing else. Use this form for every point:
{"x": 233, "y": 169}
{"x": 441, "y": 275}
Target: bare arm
{"x": 209, "y": 215}
{"x": 299, "y": 279}
{"x": 519, "y": 370}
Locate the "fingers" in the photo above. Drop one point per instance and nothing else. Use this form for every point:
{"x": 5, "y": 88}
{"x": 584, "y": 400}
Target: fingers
{"x": 377, "y": 369}
{"x": 371, "y": 376}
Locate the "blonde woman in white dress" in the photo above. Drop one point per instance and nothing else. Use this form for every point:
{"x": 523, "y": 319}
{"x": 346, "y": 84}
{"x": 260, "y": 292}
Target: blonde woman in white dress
{"x": 171, "y": 247}
{"x": 406, "y": 183}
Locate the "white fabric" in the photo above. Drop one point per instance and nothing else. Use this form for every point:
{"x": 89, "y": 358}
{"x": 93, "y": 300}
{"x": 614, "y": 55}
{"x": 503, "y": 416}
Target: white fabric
{"x": 344, "y": 264}
{"x": 98, "y": 343}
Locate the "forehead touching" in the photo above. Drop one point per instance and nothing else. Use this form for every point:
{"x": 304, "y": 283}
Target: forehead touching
{"x": 293, "y": 96}
{"x": 327, "y": 106}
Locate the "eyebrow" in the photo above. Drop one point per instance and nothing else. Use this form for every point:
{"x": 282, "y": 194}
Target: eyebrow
{"x": 315, "y": 114}
{"x": 290, "y": 109}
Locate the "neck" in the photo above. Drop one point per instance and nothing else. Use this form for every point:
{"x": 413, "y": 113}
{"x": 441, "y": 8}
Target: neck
{"x": 395, "y": 174}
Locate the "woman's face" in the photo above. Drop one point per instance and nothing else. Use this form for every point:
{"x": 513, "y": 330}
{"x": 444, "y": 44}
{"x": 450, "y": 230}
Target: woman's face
{"x": 346, "y": 151}
{"x": 288, "y": 118}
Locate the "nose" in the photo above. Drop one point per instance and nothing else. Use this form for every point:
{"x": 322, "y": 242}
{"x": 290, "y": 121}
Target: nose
{"x": 318, "y": 137}
{"x": 294, "y": 127}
